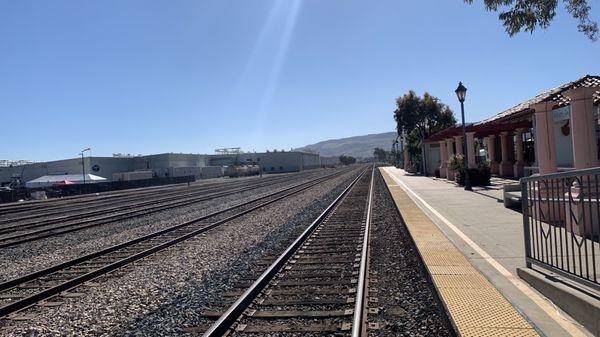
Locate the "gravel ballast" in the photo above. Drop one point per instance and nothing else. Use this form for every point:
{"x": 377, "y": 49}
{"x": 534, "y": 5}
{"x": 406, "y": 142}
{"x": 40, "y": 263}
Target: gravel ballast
{"x": 408, "y": 304}
{"x": 161, "y": 295}
{"x": 29, "y": 257}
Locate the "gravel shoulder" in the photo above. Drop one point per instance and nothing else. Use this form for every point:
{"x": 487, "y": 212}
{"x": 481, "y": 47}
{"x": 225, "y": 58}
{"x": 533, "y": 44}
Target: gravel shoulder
{"x": 161, "y": 295}
{"x": 407, "y": 302}
{"x": 130, "y": 198}
{"x": 26, "y": 258}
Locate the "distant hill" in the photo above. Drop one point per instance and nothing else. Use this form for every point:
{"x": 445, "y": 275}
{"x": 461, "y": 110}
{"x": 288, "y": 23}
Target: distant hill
{"x": 359, "y": 146}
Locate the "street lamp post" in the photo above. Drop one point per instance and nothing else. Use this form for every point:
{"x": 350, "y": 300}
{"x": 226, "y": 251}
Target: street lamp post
{"x": 397, "y": 153}
{"x": 83, "y": 168}
{"x": 461, "y": 93}
{"x": 394, "y": 151}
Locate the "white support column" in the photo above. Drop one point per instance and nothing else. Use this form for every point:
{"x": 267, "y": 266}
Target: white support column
{"x": 585, "y": 155}
{"x": 459, "y": 145}
{"x": 471, "y": 150}
{"x": 449, "y": 172}
{"x": 506, "y": 166}
{"x": 443, "y": 159}
{"x": 520, "y": 162}
{"x": 545, "y": 143}
{"x": 491, "y": 150}
{"x": 583, "y": 127}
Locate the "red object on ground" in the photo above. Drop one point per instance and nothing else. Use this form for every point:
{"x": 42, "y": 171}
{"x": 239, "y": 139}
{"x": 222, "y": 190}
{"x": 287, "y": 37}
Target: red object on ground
{"x": 65, "y": 183}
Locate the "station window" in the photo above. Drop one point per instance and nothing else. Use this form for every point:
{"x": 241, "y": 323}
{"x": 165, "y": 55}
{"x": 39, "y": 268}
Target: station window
{"x": 272, "y": 168}
{"x": 281, "y": 168}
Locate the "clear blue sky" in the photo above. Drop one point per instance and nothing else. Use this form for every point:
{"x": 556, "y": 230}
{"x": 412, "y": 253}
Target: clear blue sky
{"x": 192, "y": 76}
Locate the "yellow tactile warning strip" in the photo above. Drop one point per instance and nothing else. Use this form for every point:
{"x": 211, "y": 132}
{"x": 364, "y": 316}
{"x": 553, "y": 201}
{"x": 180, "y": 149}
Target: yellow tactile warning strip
{"x": 474, "y": 305}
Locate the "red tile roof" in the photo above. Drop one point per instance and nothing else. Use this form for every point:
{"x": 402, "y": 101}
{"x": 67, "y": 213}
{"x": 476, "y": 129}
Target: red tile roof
{"x": 518, "y": 116}
{"x": 555, "y": 94}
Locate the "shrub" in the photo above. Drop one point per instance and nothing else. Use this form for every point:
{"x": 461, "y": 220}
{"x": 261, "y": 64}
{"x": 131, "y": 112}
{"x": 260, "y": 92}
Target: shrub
{"x": 455, "y": 162}
{"x": 486, "y": 173}
{"x": 479, "y": 176}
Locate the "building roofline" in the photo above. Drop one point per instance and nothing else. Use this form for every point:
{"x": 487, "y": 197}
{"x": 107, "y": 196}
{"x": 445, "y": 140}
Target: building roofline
{"x": 555, "y": 94}
{"x": 517, "y": 116}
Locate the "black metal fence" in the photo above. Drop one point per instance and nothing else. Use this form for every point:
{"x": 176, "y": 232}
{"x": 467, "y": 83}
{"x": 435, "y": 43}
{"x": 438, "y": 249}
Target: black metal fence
{"x": 561, "y": 222}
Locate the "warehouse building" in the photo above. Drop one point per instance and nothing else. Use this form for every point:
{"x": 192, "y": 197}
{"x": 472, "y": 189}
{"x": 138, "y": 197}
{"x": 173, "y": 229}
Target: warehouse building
{"x": 271, "y": 161}
{"x": 162, "y": 165}
{"x": 100, "y": 166}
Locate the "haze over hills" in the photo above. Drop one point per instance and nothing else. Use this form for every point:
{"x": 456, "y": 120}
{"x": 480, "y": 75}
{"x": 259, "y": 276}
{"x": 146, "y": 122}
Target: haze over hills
{"x": 358, "y": 146}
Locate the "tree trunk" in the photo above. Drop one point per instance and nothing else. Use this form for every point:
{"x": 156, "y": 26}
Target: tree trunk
{"x": 423, "y": 159}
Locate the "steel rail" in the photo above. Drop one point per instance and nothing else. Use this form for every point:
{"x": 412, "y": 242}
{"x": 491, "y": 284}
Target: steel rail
{"x": 224, "y": 323}
{"x": 69, "y": 201}
{"x": 31, "y": 276}
{"x": 72, "y": 283}
{"x": 6, "y": 242}
{"x": 122, "y": 202}
{"x": 65, "y": 202}
{"x": 111, "y": 196}
{"x": 131, "y": 208}
{"x": 117, "y": 204}
{"x": 358, "y": 320}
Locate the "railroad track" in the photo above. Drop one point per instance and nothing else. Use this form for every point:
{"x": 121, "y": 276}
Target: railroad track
{"x": 70, "y": 201}
{"x": 48, "y": 286}
{"x": 100, "y": 201}
{"x": 13, "y": 210}
{"x": 120, "y": 202}
{"x": 8, "y": 240}
{"x": 317, "y": 285}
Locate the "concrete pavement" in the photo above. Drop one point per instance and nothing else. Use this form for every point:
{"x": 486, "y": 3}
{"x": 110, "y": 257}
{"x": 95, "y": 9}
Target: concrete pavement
{"x": 490, "y": 236}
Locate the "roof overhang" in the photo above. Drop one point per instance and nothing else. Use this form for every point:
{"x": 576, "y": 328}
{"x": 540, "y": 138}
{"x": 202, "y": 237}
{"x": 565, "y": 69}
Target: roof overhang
{"x": 480, "y": 130}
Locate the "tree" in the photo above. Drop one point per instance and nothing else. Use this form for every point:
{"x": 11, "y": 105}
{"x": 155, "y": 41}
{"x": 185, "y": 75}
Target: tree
{"x": 418, "y": 118}
{"x": 347, "y": 160}
{"x": 527, "y": 15}
{"x": 380, "y": 154}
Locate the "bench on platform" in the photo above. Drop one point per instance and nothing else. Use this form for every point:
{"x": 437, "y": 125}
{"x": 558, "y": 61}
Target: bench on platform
{"x": 512, "y": 195}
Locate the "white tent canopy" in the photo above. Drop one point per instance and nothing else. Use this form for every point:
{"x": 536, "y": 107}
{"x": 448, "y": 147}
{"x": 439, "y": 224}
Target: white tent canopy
{"x": 50, "y": 180}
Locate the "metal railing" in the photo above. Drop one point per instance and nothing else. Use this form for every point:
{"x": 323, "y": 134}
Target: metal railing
{"x": 530, "y": 170}
{"x": 561, "y": 222}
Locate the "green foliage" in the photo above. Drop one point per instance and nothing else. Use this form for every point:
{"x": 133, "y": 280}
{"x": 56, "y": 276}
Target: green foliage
{"x": 380, "y": 154}
{"x": 420, "y": 117}
{"x": 347, "y": 160}
{"x": 455, "y": 162}
{"x": 408, "y": 113}
{"x": 426, "y": 114}
{"x": 527, "y": 15}
{"x": 413, "y": 143}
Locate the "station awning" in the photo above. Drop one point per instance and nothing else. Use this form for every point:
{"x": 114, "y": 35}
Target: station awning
{"x": 481, "y": 130}
{"x": 519, "y": 116}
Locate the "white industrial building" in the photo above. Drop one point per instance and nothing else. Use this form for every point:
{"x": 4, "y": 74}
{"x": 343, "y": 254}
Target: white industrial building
{"x": 270, "y": 162}
{"x": 162, "y": 165}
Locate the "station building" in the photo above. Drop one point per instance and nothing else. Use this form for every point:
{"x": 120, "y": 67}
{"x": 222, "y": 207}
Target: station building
{"x": 162, "y": 165}
{"x": 557, "y": 130}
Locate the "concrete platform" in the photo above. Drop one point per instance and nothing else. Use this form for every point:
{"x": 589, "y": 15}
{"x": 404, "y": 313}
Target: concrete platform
{"x": 472, "y": 247}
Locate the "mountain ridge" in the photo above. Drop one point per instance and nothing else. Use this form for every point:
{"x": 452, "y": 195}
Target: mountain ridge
{"x": 356, "y": 146}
